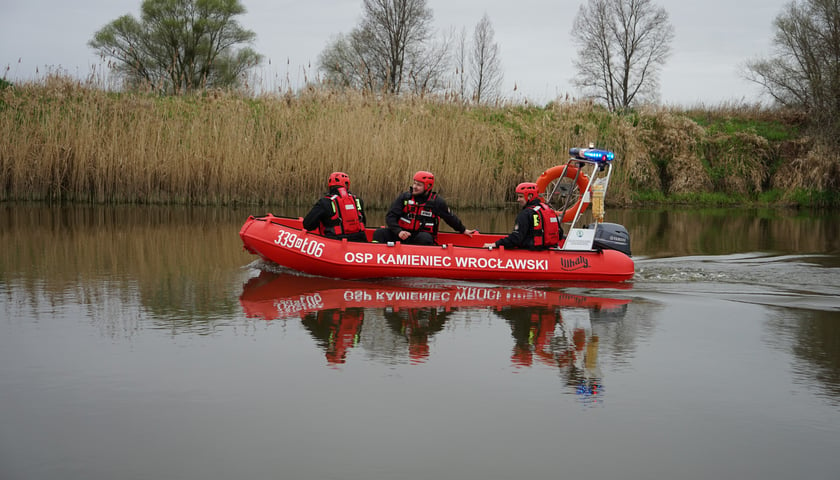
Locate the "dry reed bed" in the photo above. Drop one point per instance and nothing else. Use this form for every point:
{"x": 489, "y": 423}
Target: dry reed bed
{"x": 66, "y": 142}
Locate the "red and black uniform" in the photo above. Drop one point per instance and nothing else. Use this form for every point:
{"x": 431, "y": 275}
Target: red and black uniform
{"x": 537, "y": 228}
{"x": 419, "y": 215}
{"x": 534, "y": 338}
{"x": 339, "y": 214}
{"x": 337, "y": 331}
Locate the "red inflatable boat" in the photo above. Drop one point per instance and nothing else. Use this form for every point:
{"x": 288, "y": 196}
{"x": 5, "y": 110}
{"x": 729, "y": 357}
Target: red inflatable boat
{"x": 599, "y": 253}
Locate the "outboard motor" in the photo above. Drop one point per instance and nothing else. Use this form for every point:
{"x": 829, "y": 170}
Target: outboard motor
{"x": 611, "y": 236}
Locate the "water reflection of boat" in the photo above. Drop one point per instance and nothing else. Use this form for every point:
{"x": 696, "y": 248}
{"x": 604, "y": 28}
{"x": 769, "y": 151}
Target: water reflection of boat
{"x": 273, "y": 296}
{"x": 333, "y": 311}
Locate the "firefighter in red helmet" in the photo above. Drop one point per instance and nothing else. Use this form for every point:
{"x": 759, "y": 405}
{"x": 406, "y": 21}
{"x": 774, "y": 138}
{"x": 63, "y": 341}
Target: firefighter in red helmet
{"x": 415, "y": 215}
{"x": 537, "y": 226}
{"x": 339, "y": 213}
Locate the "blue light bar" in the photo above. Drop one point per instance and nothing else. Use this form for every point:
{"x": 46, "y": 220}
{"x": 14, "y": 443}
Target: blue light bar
{"x": 592, "y": 154}
{"x": 599, "y": 155}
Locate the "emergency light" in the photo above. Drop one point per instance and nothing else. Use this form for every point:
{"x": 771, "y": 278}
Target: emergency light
{"x": 592, "y": 154}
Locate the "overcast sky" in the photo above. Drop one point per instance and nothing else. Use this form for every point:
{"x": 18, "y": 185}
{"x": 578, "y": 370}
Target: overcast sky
{"x": 713, "y": 40}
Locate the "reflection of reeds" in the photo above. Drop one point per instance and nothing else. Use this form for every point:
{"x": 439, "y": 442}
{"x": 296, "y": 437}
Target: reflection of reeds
{"x": 726, "y": 231}
{"x": 179, "y": 260}
{"x": 63, "y": 141}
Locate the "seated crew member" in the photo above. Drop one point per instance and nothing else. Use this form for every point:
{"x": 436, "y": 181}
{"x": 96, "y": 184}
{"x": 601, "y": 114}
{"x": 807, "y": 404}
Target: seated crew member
{"x": 537, "y": 226}
{"x": 339, "y": 213}
{"x": 415, "y": 215}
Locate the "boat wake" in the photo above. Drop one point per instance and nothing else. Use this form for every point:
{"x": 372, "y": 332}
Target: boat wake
{"x": 796, "y": 281}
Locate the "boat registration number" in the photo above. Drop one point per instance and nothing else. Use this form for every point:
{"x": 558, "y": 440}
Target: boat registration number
{"x": 304, "y": 245}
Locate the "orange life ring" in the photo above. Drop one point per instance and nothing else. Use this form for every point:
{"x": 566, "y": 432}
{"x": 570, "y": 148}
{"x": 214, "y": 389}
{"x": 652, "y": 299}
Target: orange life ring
{"x": 582, "y": 183}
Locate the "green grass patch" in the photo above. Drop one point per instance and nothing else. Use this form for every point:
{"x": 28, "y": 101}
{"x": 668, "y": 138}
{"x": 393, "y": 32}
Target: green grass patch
{"x": 771, "y": 197}
{"x": 713, "y": 199}
{"x": 647, "y": 197}
{"x": 815, "y": 198}
{"x": 772, "y": 130}
{"x": 707, "y": 199}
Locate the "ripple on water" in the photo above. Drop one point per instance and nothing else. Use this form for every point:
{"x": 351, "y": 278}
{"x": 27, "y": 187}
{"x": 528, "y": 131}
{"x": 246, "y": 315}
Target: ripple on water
{"x": 796, "y": 281}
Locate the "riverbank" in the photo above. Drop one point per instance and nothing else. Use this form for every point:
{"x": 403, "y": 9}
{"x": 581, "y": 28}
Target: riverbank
{"x": 64, "y": 141}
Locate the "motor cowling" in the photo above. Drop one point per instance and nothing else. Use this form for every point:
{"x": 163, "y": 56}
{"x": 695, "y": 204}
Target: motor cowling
{"x": 611, "y": 236}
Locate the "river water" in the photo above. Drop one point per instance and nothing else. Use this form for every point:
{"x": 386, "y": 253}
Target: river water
{"x": 142, "y": 342}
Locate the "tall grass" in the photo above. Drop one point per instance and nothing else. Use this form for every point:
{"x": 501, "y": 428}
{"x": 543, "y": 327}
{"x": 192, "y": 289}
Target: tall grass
{"x": 65, "y": 141}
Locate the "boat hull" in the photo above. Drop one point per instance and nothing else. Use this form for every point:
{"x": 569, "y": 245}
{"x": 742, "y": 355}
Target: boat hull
{"x": 283, "y": 240}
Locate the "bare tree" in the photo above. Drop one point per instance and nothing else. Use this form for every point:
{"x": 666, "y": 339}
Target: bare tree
{"x": 427, "y": 67}
{"x": 486, "y": 69}
{"x": 805, "y": 71}
{"x": 460, "y": 61}
{"x": 622, "y": 44}
{"x": 347, "y": 63}
{"x": 377, "y": 53}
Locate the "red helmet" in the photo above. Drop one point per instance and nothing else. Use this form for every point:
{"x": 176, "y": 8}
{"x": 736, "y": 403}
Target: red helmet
{"x": 339, "y": 179}
{"x": 528, "y": 190}
{"x": 426, "y": 178}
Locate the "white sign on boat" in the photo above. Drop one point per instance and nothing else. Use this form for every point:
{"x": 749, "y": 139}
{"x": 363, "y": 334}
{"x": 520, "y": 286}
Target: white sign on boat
{"x": 579, "y": 239}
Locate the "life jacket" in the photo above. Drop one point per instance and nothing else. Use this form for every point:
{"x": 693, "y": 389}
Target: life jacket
{"x": 540, "y": 334}
{"x": 546, "y": 225}
{"x": 418, "y": 216}
{"x": 346, "y": 215}
{"x": 344, "y": 331}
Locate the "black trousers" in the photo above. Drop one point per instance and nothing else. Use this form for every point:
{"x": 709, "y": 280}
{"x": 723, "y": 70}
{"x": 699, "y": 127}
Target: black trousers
{"x": 385, "y": 235}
